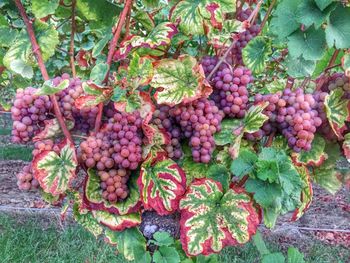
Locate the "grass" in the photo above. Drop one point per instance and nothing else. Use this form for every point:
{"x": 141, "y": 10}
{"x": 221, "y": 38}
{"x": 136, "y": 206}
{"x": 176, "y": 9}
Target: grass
{"x": 29, "y": 242}
{"x": 14, "y": 152}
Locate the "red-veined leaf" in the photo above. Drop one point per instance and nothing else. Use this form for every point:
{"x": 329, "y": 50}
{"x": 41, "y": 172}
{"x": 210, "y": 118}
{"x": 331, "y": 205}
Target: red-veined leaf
{"x": 117, "y": 222}
{"x": 162, "y": 183}
{"x": 179, "y": 80}
{"x": 55, "y": 172}
{"x": 94, "y": 201}
{"x": 212, "y": 219}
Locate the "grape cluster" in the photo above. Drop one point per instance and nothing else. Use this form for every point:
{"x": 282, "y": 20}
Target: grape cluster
{"x": 26, "y": 180}
{"x": 163, "y": 120}
{"x": 29, "y": 111}
{"x": 114, "y": 184}
{"x": 294, "y": 114}
{"x": 244, "y": 14}
{"x": 240, "y": 41}
{"x": 84, "y": 118}
{"x": 117, "y": 145}
{"x": 230, "y": 87}
{"x": 199, "y": 120}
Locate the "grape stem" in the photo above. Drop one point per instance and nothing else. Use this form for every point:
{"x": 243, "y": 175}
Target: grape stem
{"x": 330, "y": 65}
{"x": 39, "y": 58}
{"x": 251, "y": 20}
{"x": 268, "y": 13}
{"x": 71, "y": 50}
{"x": 112, "y": 46}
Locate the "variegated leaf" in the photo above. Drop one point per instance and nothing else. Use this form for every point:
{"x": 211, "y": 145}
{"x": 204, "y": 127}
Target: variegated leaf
{"x": 211, "y": 219}
{"x": 48, "y": 88}
{"x": 140, "y": 71}
{"x": 314, "y": 157}
{"x": 306, "y": 193}
{"x": 346, "y": 146}
{"x": 223, "y": 38}
{"x": 162, "y": 183}
{"x": 159, "y": 37}
{"x": 337, "y": 111}
{"x": 230, "y": 129}
{"x": 55, "y": 172}
{"x": 156, "y": 138}
{"x": 194, "y": 17}
{"x": 179, "y": 80}
{"x": 254, "y": 117}
{"x": 117, "y": 222}
{"x": 91, "y": 88}
{"x": 94, "y": 201}
{"x": 345, "y": 61}
{"x": 52, "y": 129}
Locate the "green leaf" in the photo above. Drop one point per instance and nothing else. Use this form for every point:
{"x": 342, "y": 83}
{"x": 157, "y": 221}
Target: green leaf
{"x": 145, "y": 20}
{"x": 229, "y": 129}
{"x": 181, "y": 80}
{"x": 99, "y": 72}
{"x": 140, "y": 71}
{"x": 162, "y": 183}
{"x": 166, "y": 255}
{"x": 346, "y": 64}
{"x": 285, "y": 18}
{"x": 54, "y": 172}
{"x": 273, "y": 258}
{"x": 244, "y": 164}
{"x": 211, "y": 219}
{"x": 337, "y": 111}
{"x": 315, "y": 156}
{"x": 100, "y": 45}
{"x": 299, "y": 67}
{"x": 310, "y": 14}
{"x": 207, "y": 259}
{"x": 294, "y": 256}
{"x": 192, "y": 16}
{"x": 322, "y": 4}
{"x": 322, "y": 64}
{"x": 20, "y": 67}
{"x": 162, "y": 238}
{"x": 254, "y": 118}
{"x": 260, "y": 244}
{"x": 338, "y": 28}
{"x": 7, "y": 35}
{"x": 265, "y": 193}
{"x": 220, "y": 174}
{"x": 47, "y": 37}
{"x": 44, "y": 8}
{"x": 310, "y": 44}
{"x": 131, "y": 244}
{"x": 256, "y": 54}
{"x": 48, "y": 88}
{"x": 87, "y": 220}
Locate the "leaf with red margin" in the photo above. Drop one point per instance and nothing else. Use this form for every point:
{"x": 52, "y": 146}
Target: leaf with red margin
{"x": 159, "y": 37}
{"x": 162, "y": 183}
{"x": 84, "y": 58}
{"x": 337, "y": 110}
{"x": 140, "y": 71}
{"x": 179, "y": 80}
{"x": 315, "y": 157}
{"x": 54, "y": 172}
{"x": 346, "y": 146}
{"x": 52, "y": 129}
{"x": 196, "y": 17}
{"x": 117, "y": 222}
{"x": 156, "y": 138}
{"x": 93, "y": 196}
{"x": 212, "y": 219}
{"x": 95, "y": 94}
{"x": 306, "y": 193}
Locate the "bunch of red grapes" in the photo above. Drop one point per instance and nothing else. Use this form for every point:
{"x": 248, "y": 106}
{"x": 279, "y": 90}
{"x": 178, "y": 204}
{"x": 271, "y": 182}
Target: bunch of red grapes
{"x": 84, "y": 118}
{"x": 117, "y": 145}
{"x": 29, "y": 111}
{"x": 114, "y": 184}
{"x": 199, "y": 120}
{"x": 230, "y": 92}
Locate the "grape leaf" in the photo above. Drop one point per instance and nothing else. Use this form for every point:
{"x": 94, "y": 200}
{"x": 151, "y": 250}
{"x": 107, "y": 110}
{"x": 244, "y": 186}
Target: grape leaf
{"x": 117, "y": 222}
{"x": 294, "y": 256}
{"x": 48, "y": 88}
{"x": 55, "y": 172}
{"x": 310, "y": 14}
{"x": 166, "y": 255}
{"x": 194, "y": 16}
{"x": 338, "y": 28}
{"x": 220, "y": 174}
{"x": 162, "y": 238}
{"x": 285, "y": 18}
{"x": 299, "y": 67}
{"x": 310, "y": 44}
{"x": 44, "y": 8}
{"x": 244, "y": 164}
{"x": 145, "y": 20}
{"x": 314, "y": 157}
{"x": 346, "y": 64}
{"x": 322, "y": 4}
{"x": 211, "y": 219}
{"x": 322, "y": 64}
{"x": 100, "y": 45}
{"x": 256, "y": 54}
{"x": 230, "y": 128}
{"x": 254, "y": 117}
{"x": 98, "y": 72}
{"x": 346, "y": 146}
{"x": 7, "y": 35}
{"x": 52, "y": 129}
{"x": 181, "y": 80}
{"x": 265, "y": 193}
{"x": 276, "y": 257}
{"x": 337, "y": 111}
{"x": 162, "y": 183}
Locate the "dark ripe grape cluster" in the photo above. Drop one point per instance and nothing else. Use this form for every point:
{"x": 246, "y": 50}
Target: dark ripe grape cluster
{"x": 26, "y": 180}
{"x": 240, "y": 41}
{"x": 84, "y": 118}
{"x": 339, "y": 80}
{"x": 114, "y": 184}
{"x": 244, "y": 14}
{"x": 163, "y": 120}
{"x": 295, "y": 115}
{"x": 117, "y": 145}
{"x": 230, "y": 92}
{"x": 199, "y": 120}
{"x": 29, "y": 111}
